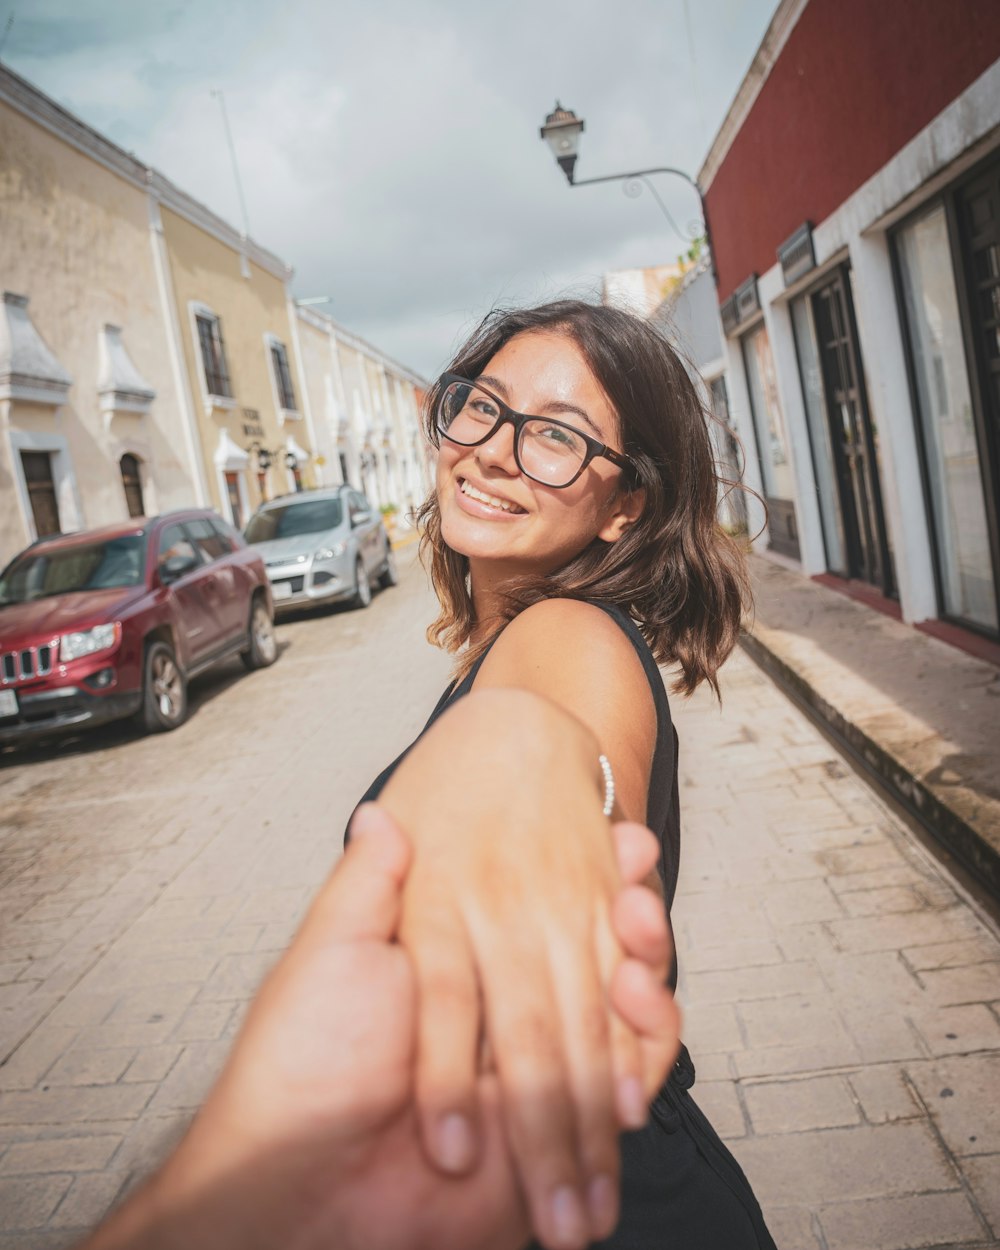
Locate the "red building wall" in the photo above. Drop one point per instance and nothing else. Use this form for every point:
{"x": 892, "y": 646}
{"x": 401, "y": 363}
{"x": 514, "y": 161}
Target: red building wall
{"x": 856, "y": 80}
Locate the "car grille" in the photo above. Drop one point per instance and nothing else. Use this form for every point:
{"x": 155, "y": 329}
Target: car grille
{"x": 23, "y": 665}
{"x": 296, "y": 583}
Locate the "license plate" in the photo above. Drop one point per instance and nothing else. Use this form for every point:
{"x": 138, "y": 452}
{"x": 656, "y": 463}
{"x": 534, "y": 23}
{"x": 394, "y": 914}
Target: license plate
{"x": 8, "y": 703}
{"x": 281, "y": 590}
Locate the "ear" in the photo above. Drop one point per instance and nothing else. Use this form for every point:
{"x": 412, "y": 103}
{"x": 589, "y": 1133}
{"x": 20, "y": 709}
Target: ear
{"x": 626, "y": 510}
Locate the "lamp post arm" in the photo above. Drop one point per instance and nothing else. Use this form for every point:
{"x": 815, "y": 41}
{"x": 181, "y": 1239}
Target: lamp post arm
{"x": 639, "y": 173}
{"x": 642, "y": 175}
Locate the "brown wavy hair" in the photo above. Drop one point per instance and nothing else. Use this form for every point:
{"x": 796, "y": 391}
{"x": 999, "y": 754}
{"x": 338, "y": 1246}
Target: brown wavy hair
{"x": 676, "y": 571}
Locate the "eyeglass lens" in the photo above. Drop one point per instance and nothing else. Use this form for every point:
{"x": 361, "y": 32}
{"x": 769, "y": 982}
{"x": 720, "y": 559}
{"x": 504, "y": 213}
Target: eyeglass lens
{"x": 548, "y": 451}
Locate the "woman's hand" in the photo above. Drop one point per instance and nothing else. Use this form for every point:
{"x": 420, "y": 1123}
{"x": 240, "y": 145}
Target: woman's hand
{"x": 509, "y": 916}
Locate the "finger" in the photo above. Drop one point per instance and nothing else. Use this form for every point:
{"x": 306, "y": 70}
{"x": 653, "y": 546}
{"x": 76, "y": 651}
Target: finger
{"x": 626, "y": 1056}
{"x": 640, "y": 924}
{"x": 361, "y": 898}
{"x": 636, "y": 849}
{"x": 628, "y": 1073}
{"x": 538, "y": 1111}
{"x": 651, "y": 1010}
{"x": 587, "y": 1026}
{"x": 448, "y": 1034}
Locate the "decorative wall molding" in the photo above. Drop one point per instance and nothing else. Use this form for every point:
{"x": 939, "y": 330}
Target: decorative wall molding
{"x": 120, "y": 386}
{"x": 29, "y": 371}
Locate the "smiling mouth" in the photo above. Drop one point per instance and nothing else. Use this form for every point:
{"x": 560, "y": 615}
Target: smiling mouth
{"x": 504, "y": 505}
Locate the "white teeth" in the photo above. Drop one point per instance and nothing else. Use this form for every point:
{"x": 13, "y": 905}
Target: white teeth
{"x": 469, "y": 489}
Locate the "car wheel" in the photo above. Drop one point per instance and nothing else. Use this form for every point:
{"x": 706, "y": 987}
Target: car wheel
{"x": 164, "y": 692}
{"x": 363, "y": 587}
{"x": 263, "y": 648}
{"x": 390, "y": 574}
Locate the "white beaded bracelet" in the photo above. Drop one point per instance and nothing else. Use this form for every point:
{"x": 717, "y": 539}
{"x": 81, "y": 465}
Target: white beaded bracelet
{"x": 609, "y": 784}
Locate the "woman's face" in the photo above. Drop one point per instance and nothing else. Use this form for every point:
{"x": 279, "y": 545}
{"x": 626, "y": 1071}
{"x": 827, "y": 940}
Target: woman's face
{"x": 529, "y": 528}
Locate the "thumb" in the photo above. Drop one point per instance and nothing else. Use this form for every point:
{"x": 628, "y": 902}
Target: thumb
{"x": 361, "y": 898}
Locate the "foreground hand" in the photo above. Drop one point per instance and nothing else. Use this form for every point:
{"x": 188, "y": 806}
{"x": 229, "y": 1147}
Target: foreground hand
{"x": 509, "y": 918}
{"x": 310, "y": 1140}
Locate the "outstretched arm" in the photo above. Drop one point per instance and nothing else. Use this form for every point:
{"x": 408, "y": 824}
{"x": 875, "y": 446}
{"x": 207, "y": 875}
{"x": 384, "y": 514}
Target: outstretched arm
{"x": 508, "y": 916}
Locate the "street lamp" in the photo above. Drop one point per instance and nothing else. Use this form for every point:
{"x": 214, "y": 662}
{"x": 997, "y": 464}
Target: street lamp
{"x": 266, "y": 457}
{"x": 562, "y": 132}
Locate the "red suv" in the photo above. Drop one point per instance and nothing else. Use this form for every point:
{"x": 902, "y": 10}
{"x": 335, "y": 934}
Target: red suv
{"x": 114, "y": 622}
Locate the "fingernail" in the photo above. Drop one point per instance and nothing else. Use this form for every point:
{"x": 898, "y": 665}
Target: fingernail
{"x": 632, "y": 1109}
{"x": 455, "y": 1143}
{"x": 569, "y": 1224}
{"x": 602, "y": 1202}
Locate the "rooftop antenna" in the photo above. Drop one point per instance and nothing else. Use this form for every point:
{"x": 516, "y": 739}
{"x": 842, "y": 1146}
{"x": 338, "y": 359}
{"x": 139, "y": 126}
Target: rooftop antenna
{"x": 245, "y": 235}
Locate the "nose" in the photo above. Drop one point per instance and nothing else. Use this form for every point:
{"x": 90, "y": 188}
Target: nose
{"x": 498, "y": 451}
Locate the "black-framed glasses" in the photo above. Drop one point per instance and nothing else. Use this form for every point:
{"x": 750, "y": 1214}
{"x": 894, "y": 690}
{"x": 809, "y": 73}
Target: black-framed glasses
{"x": 550, "y": 452}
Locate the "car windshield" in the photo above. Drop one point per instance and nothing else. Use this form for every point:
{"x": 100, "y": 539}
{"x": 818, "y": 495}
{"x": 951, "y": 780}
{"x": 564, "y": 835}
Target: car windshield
{"x": 308, "y": 516}
{"x": 62, "y": 570}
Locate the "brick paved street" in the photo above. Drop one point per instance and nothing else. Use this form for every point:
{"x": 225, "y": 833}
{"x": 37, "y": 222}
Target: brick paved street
{"x": 841, "y": 996}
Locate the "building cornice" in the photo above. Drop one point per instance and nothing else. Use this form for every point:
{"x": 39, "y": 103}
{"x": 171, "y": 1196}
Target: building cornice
{"x": 775, "y": 37}
{"x": 39, "y": 108}
{"x": 326, "y": 324}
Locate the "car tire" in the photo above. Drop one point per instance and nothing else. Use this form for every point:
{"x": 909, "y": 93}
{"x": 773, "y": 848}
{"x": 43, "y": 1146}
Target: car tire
{"x": 164, "y": 690}
{"x": 390, "y": 574}
{"x": 263, "y": 648}
{"x": 363, "y": 587}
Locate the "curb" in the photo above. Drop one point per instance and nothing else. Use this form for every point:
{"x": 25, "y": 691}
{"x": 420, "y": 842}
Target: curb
{"x": 942, "y": 823}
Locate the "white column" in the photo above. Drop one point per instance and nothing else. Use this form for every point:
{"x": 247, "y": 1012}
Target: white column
{"x": 185, "y": 400}
{"x": 881, "y": 338}
{"x": 318, "y": 449}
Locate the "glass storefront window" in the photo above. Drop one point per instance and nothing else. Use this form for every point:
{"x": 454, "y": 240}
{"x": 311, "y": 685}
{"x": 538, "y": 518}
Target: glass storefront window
{"x": 819, "y": 434}
{"x": 952, "y": 453}
{"x": 772, "y": 441}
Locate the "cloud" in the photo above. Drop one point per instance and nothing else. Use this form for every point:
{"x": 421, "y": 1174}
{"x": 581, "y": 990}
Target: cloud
{"x": 390, "y": 152}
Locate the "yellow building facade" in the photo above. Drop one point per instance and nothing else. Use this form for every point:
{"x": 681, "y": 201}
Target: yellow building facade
{"x": 152, "y": 357}
{"x": 235, "y": 323}
{"x": 89, "y": 403}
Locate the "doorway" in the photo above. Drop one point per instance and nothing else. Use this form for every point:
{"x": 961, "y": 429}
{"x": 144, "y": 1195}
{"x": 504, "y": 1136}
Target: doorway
{"x": 853, "y": 436}
{"x": 38, "y": 478}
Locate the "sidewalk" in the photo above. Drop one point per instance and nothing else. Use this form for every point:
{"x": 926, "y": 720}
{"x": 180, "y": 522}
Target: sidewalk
{"x": 840, "y": 993}
{"x": 921, "y": 715}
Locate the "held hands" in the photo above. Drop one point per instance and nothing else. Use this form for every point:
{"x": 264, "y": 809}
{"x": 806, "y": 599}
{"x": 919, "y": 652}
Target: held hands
{"x": 310, "y": 1140}
{"x": 510, "y": 915}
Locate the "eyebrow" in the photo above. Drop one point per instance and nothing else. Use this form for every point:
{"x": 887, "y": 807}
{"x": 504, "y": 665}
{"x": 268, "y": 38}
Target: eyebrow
{"x": 557, "y": 405}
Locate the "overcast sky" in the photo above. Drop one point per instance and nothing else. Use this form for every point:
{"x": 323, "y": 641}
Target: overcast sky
{"x": 389, "y": 149}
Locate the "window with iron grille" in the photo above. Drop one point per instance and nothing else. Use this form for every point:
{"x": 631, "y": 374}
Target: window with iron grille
{"x": 282, "y": 376}
{"x": 213, "y": 356}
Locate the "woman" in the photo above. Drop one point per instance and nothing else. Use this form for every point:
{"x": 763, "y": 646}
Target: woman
{"x": 573, "y": 544}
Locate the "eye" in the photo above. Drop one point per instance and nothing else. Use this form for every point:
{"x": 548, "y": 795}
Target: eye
{"x": 483, "y": 407}
{"x": 558, "y": 436}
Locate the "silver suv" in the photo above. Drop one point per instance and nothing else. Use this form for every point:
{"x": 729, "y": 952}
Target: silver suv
{"x": 322, "y": 546}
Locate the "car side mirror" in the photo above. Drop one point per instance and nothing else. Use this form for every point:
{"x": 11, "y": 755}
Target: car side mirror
{"x": 360, "y": 518}
{"x": 175, "y": 567}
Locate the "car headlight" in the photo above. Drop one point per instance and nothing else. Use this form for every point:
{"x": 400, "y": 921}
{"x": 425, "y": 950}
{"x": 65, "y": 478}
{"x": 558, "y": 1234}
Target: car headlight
{"x": 89, "y": 641}
{"x": 330, "y": 553}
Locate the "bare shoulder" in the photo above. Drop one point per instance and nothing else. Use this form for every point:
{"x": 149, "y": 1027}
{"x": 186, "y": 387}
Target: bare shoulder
{"x": 575, "y": 654}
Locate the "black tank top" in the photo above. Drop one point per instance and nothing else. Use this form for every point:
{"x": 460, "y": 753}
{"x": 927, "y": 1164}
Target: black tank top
{"x": 662, "y": 805}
